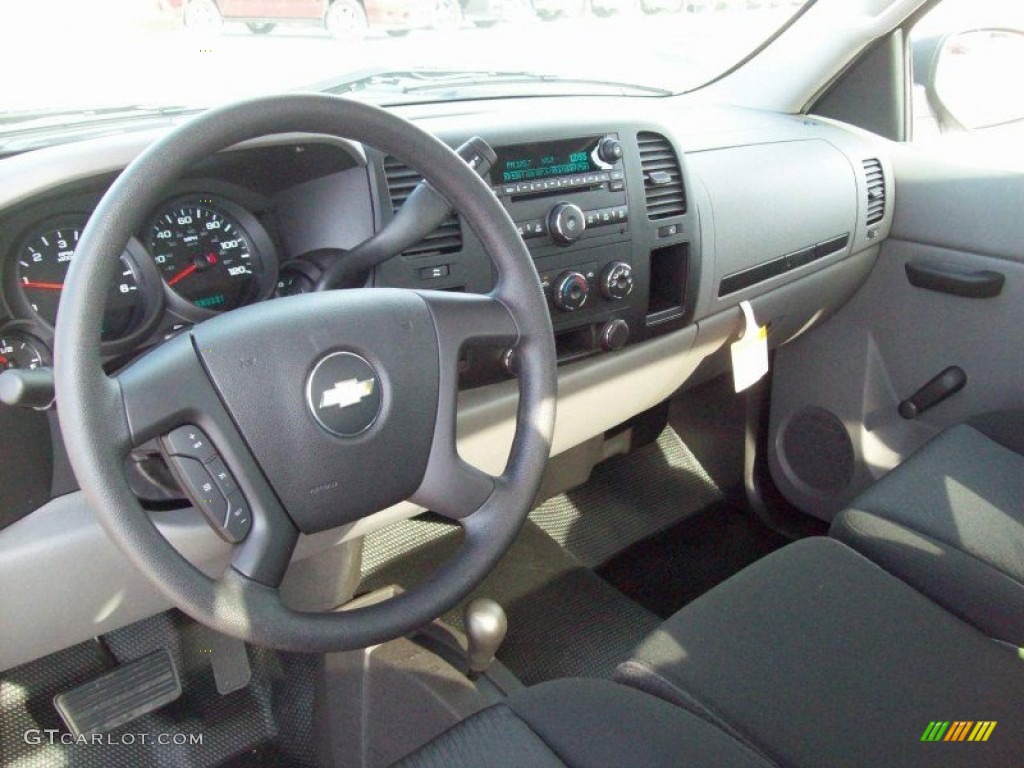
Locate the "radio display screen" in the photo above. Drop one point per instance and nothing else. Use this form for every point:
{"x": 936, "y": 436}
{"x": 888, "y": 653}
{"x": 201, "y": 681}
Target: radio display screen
{"x": 543, "y": 160}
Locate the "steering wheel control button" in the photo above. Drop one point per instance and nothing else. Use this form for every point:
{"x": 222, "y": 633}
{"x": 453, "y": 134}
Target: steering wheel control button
{"x": 344, "y": 394}
{"x": 200, "y": 486}
{"x": 221, "y": 476}
{"x": 190, "y": 441}
{"x": 238, "y": 520}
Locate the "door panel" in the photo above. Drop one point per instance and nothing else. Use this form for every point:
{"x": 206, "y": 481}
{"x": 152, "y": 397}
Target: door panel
{"x": 834, "y": 422}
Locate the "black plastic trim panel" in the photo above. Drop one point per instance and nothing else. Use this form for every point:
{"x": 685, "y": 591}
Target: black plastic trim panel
{"x": 780, "y": 266}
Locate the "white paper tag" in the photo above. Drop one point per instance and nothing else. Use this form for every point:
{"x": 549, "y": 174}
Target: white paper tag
{"x": 750, "y": 353}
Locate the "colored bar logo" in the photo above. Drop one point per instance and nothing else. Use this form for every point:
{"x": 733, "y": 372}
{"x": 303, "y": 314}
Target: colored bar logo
{"x": 958, "y": 730}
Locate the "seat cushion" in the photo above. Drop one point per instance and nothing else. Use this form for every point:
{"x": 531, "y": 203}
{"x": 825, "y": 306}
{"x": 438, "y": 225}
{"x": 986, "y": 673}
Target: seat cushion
{"x": 950, "y": 522}
{"x": 817, "y": 656}
{"x": 583, "y": 723}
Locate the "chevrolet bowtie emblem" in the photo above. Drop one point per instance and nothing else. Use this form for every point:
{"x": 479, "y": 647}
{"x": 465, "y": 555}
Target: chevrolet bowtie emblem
{"x": 347, "y": 392}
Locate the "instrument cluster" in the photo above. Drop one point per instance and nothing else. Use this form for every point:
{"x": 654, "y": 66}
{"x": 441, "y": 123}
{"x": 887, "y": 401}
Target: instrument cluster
{"x": 197, "y": 254}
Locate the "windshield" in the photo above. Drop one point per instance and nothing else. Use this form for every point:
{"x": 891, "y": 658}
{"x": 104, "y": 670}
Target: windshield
{"x": 101, "y": 59}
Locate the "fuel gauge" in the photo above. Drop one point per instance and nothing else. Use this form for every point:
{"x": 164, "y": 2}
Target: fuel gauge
{"x": 19, "y": 350}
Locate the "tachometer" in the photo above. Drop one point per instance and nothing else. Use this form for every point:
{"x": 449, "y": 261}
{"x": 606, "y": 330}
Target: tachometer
{"x": 205, "y": 255}
{"x": 43, "y": 261}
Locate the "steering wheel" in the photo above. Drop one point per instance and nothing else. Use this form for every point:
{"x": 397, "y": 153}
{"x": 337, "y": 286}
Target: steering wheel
{"x": 324, "y": 407}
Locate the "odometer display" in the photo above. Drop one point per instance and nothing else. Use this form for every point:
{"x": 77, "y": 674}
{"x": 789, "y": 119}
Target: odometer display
{"x": 204, "y": 255}
{"x": 43, "y": 262}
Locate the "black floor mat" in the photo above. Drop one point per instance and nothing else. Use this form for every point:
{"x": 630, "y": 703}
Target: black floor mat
{"x": 665, "y": 572}
{"x": 627, "y": 499}
{"x": 267, "y": 723}
{"x": 563, "y": 620}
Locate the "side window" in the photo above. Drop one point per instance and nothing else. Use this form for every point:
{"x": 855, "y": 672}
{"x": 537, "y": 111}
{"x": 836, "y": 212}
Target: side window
{"x": 967, "y": 59}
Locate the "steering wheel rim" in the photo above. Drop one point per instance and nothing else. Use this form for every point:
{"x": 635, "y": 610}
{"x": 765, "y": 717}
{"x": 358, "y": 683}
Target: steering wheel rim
{"x": 102, "y": 418}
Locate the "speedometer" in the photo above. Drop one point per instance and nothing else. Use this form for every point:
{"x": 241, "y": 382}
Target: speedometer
{"x": 205, "y": 255}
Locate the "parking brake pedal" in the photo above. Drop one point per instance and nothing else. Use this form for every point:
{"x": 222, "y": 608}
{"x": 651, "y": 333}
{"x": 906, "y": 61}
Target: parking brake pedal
{"x": 121, "y": 695}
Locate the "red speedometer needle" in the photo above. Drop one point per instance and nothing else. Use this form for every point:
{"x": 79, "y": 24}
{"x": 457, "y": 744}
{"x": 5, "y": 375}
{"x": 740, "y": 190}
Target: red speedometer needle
{"x": 43, "y": 286}
{"x": 183, "y": 274}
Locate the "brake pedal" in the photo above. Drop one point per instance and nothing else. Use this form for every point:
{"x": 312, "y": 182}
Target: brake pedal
{"x": 121, "y": 695}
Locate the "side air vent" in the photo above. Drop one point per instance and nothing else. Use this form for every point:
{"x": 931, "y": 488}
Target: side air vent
{"x": 663, "y": 177}
{"x": 401, "y": 181}
{"x": 876, "y": 190}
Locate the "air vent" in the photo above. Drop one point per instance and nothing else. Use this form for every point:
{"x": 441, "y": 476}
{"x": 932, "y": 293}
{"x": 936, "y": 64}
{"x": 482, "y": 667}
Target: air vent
{"x": 663, "y": 178}
{"x": 402, "y": 180}
{"x": 876, "y": 190}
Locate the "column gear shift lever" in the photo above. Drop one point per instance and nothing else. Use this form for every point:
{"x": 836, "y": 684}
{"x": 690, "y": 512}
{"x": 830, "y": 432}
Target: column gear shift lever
{"x": 486, "y": 624}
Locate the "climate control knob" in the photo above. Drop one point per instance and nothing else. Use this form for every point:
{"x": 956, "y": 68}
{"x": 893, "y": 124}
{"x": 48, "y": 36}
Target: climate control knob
{"x": 566, "y": 223}
{"x": 617, "y": 280}
{"x": 609, "y": 150}
{"x": 570, "y": 291}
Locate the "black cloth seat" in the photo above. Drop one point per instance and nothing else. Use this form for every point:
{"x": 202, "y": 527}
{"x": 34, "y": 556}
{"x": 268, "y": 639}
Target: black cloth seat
{"x": 949, "y": 521}
{"x": 583, "y": 723}
{"x": 815, "y": 656}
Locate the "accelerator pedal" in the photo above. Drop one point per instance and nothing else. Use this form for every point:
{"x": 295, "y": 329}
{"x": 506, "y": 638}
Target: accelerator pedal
{"x": 121, "y": 695}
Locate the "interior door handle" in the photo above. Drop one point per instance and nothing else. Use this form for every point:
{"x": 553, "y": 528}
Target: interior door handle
{"x": 946, "y": 278}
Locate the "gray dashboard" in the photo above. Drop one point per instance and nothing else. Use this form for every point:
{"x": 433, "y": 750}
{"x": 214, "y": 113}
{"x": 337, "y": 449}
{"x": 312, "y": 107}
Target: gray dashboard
{"x": 779, "y": 210}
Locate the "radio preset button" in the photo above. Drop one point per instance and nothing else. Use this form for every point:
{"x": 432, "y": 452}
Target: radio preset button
{"x": 531, "y": 229}
{"x": 603, "y": 217}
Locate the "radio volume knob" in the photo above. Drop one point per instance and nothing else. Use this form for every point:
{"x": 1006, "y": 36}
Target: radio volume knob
{"x": 566, "y": 223}
{"x": 617, "y": 280}
{"x": 609, "y": 150}
{"x": 570, "y": 291}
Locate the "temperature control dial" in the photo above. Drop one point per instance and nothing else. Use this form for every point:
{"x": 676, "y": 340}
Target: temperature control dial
{"x": 566, "y": 223}
{"x": 570, "y": 291}
{"x": 617, "y": 280}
